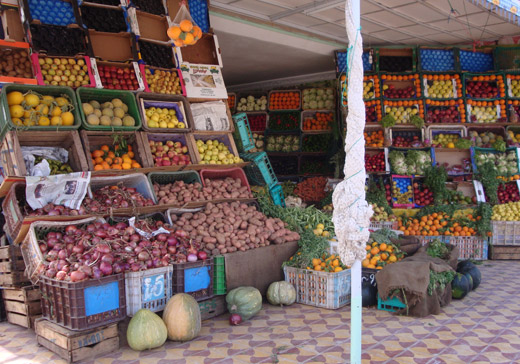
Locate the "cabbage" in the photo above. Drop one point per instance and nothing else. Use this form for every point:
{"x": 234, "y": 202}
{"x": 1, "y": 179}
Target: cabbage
{"x": 250, "y": 98}
{"x": 271, "y": 140}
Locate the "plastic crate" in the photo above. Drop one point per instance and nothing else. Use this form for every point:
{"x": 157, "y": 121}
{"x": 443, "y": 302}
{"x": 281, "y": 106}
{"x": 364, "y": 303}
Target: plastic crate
{"x": 154, "y": 89}
{"x": 475, "y": 150}
{"x": 433, "y": 130}
{"x": 277, "y": 195}
{"x": 90, "y": 14}
{"x": 470, "y": 247}
{"x": 177, "y": 102}
{"x": 499, "y": 82}
{"x": 320, "y": 289}
{"x": 54, "y": 12}
{"x": 260, "y": 172}
{"x": 403, "y": 56}
{"x": 102, "y": 95}
{"x": 183, "y": 138}
{"x": 194, "y": 278}
{"x": 150, "y": 289}
{"x": 438, "y": 59}
{"x": 55, "y": 91}
{"x": 369, "y": 63}
{"x": 84, "y": 305}
{"x": 139, "y": 181}
{"x": 224, "y": 173}
{"x": 507, "y": 58}
{"x": 274, "y": 116}
{"x": 164, "y": 178}
{"x": 242, "y": 134}
{"x": 41, "y": 42}
{"x": 478, "y": 61}
{"x": 219, "y": 275}
{"x": 425, "y": 239}
{"x": 35, "y": 57}
{"x": 270, "y": 107}
{"x": 18, "y": 48}
{"x": 223, "y": 137}
{"x": 505, "y": 233}
{"x": 200, "y": 14}
{"x": 390, "y": 304}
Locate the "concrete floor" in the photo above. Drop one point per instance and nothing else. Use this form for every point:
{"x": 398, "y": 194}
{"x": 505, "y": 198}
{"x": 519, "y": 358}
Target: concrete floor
{"x": 482, "y": 328}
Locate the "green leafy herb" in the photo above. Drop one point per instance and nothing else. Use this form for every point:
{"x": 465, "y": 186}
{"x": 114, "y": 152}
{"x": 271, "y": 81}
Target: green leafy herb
{"x": 439, "y": 280}
{"x": 435, "y": 179}
{"x": 376, "y": 195}
{"x": 388, "y": 121}
{"x": 437, "y": 249}
{"x": 462, "y": 143}
{"x": 417, "y": 121}
{"x": 500, "y": 145}
{"x": 487, "y": 174}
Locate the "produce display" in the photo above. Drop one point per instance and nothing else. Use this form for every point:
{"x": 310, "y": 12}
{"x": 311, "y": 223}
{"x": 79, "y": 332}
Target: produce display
{"x": 311, "y": 189}
{"x": 182, "y": 317}
{"x": 259, "y": 143}
{"x": 445, "y": 112}
{"x": 485, "y": 139}
{"x": 314, "y": 165}
{"x": 406, "y": 139}
{"x": 57, "y": 40}
{"x": 216, "y": 152}
{"x": 319, "y": 230}
{"x": 380, "y": 214}
{"x": 512, "y": 138}
{"x": 395, "y": 63}
{"x": 318, "y": 121}
{"x": 401, "y": 86}
{"x": 445, "y": 139}
{"x": 232, "y": 99}
{"x": 163, "y": 81}
{"x": 283, "y": 121}
{"x": 110, "y": 113}
{"x": 370, "y": 88}
{"x": 442, "y": 86}
{"x": 318, "y": 99}
{"x": 156, "y": 55}
{"x": 169, "y": 153}
{"x": 375, "y": 162}
{"x": 422, "y": 195}
{"x": 373, "y": 111}
{"x": 413, "y": 162}
{"x": 33, "y": 109}
{"x": 505, "y": 164}
{"x": 439, "y": 223}
{"x": 316, "y": 143}
{"x": 52, "y": 12}
{"x": 118, "y": 78}
{"x": 514, "y": 85}
{"x": 150, "y": 6}
{"x": 115, "y": 197}
{"x": 402, "y": 111}
{"x": 331, "y": 264}
{"x": 283, "y": 143}
{"x": 184, "y": 34}
{"x": 119, "y": 157}
{"x": 70, "y": 72}
{"x": 250, "y": 103}
{"x": 228, "y": 227}
{"x": 284, "y": 100}
{"x": 56, "y": 167}
{"x": 485, "y": 87}
{"x": 257, "y": 122}
{"x": 508, "y": 192}
{"x": 103, "y": 19}
{"x": 180, "y": 193}
{"x": 484, "y": 112}
{"x": 381, "y": 254}
{"x": 402, "y": 191}
{"x": 15, "y": 63}
{"x": 375, "y": 138}
{"x": 284, "y": 165}
{"x": 100, "y": 249}
{"x": 162, "y": 118}
{"x": 506, "y": 212}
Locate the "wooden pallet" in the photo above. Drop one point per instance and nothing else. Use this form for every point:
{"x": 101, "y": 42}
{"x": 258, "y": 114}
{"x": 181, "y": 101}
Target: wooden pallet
{"x": 75, "y": 346}
{"x": 12, "y": 267}
{"x": 504, "y": 252}
{"x": 22, "y": 305}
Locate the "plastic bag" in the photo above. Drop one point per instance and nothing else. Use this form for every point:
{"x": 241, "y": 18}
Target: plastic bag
{"x": 210, "y": 116}
{"x": 184, "y": 31}
{"x": 42, "y": 169}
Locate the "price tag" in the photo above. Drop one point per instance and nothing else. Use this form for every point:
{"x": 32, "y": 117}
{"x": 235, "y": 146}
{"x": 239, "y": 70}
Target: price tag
{"x": 508, "y": 81}
{"x": 153, "y": 288}
{"x": 479, "y": 191}
{"x": 139, "y": 76}
{"x": 95, "y": 71}
{"x": 426, "y": 93}
{"x": 454, "y": 88}
{"x": 387, "y": 163}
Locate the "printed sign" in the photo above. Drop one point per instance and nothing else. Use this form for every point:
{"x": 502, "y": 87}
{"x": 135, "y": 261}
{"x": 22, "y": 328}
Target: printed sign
{"x": 153, "y": 288}
{"x": 203, "y": 81}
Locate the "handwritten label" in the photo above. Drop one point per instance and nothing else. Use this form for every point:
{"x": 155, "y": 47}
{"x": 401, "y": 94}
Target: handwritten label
{"x": 153, "y": 288}
{"x": 369, "y": 278}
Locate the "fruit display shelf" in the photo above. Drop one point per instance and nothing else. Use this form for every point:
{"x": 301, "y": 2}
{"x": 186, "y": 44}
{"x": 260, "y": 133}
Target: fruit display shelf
{"x": 167, "y": 149}
{"x": 151, "y": 6}
{"x": 401, "y": 87}
{"x": 52, "y": 12}
{"x": 314, "y": 166}
{"x": 438, "y": 59}
{"x": 480, "y": 60}
{"x": 376, "y": 161}
{"x": 402, "y": 110}
{"x": 484, "y": 137}
{"x": 484, "y": 86}
{"x": 119, "y": 76}
{"x": 56, "y": 40}
{"x": 446, "y": 111}
{"x": 445, "y": 136}
{"x": 148, "y": 26}
{"x": 422, "y": 195}
{"x": 407, "y": 137}
{"x": 457, "y": 162}
{"x": 485, "y": 112}
{"x": 200, "y": 14}
{"x": 284, "y": 100}
{"x": 505, "y": 58}
{"x": 318, "y": 98}
{"x": 397, "y": 59}
{"x": 177, "y": 119}
{"x": 512, "y": 85}
{"x": 371, "y": 88}
{"x": 369, "y": 61}
{"x": 442, "y": 86}
{"x": 506, "y": 163}
{"x": 285, "y": 165}
{"x": 402, "y": 191}
{"x": 258, "y": 121}
{"x": 163, "y": 80}
{"x": 232, "y": 101}
{"x": 63, "y": 71}
{"x": 156, "y": 54}
{"x": 317, "y": 121}
{"x": 373, "y": 113}
{"x": 17, "y": 67}
{"x": 103, "y": 18}
{"x": 374, "y": 137}
{"x": 513, "y": 135}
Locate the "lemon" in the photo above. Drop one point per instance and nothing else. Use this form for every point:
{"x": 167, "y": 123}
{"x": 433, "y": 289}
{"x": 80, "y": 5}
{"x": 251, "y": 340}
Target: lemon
{"x": 16, "y": 111}
{"x": 56, "y": 111}
{"x": 14, "y": 98}
{"x": 44, "y": 121}
{"x": 451, "y": 145}
{"x": 61, "y": 101}
{"x": 17, "y": 121}
{"x": 67, "y": 118}
{"x": 32, "y": 100}
{"x": 320, "y": 226}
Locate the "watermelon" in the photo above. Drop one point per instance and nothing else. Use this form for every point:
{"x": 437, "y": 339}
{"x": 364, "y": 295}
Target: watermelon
{"x": 470, "y": 280}
{"x": 467, "y": 266}
{"x": 460, "y": 286}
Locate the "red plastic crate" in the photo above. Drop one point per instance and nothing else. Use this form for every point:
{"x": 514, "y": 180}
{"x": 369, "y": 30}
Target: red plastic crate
{"x": 224, "y": 173}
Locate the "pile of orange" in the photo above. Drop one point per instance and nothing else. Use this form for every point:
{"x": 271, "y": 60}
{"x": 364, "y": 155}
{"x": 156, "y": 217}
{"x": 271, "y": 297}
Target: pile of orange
{"x": 284, "y": 100}
{"x": 184, "y": 34}
{"x": 381, "y": 254}
{"x": 320, "y": 121}
{"x": 331, "y": 264}
{"x": 436, "y": 224}
{"x": 374, "y": 138}
{"x": 448, "y": 103}
{"x": 492, "y": 78}
{"x": 104, "y": 158}
{"x": 502, "y": 103}
{"x": 231, "y": 101}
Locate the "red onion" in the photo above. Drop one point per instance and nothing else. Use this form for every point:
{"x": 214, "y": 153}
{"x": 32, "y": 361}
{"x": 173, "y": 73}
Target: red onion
{"x": 63, "y": 254}
{"x": 202, "y": 255}
{"x": 235, "y": 319}
{"x": 51, "y": 241}
{"x": 53, "y": 213}
{"x": 106, "y": 268}
{"x": 156, "y": 252}
{"x": 51, "y": 273}
{"x": 52, "y": 255}
{"x": 181, "y": 233}
{"x": 192, "y": 257}
{"x": 142, "y": 256}
{"x": 138, "y": 249}
{"x": 135, "y": 267}
{"x": 85, "y": 269}
{"x": 97, "y": 273}
{"x": 43, "y": 248}
{"x": 77, "y": 276}
{"x": 91, "y": 228}
{"x": 135, "y": 237}
{"x": 172, "y": 240}
{"x": 121, "y": 226}
{"x": 57, "y": 247}
{"x": 103, "y": 248}
{"x": 59, "y": 235}
{"x": 111, "y": 231}
{"x": 149, "y": 264}
{"x": 71, "y": 230}
{"x": 53, "y": 264}
{"x": 144, "y": 243}
{"x": 107, "y": 258}
{"x": 118, "y": 268}
{"x": 66, "y": 268}
{"x": 101, "y": 234}
{"x": 172, "y": 249}
{"x": 78, "y": 249}
{"x": 129, "y": 230}
{"x": 61, "y": 264}
{"x": 105, "y": 226}
{"x": 157, "y": 262}
{"x": 61, "y": 275}
{"x": 51, "y": 235}
{"x": 69, "y": 239}
{"x": 161, "y": 237}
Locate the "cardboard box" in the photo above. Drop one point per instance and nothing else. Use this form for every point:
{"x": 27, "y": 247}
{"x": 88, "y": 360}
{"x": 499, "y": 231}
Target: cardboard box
{"x": 13, "y": 28}
{"x": 148, "y": 26}
{"x": 258, "y": 267}
{"x": 205, "y": 52}
{"x": 203, "y": 81}
{"x": 116, "y": 47}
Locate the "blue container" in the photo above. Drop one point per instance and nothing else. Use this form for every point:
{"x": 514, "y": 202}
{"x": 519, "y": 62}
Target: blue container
{"x": 199, "y": 13}
{"x": 437, "y": 60}
{"x": 391, "y": 305}
{"x": 476, "y": 61}
{"x": 277, "y": 195}
{"x": 55, "y": 12}
{"x": 242, "y": 134}
{"x": 341, "y": 62}
{"x": 194, "y": 278}
{"x": 261, "y": 172}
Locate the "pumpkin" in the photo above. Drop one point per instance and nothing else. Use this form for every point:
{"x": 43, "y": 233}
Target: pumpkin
{"x": 467, "y": 266}
{"x": 182, "y": 317}
{"x": 246, "y": 301}
{"x": 459, "y": 286}
{"x": 146, "y": 330}
{"x": 281, "y": 293}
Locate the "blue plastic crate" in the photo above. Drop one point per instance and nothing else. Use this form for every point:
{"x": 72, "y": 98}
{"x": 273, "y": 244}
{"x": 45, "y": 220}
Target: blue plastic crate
{"x": 199, "y": 13}
{"x": 277, "y": 195}
{"x": 260, "y": 172}
{"x": 341, "y": 61}
{"x": 55, "y": 12}
{"x": 437, "y": 60}
{"x": 242, "y": 134}
{"x": 476, "y": 61}
{"x": 391, "y": 305}
{"x": 194, "y": 278}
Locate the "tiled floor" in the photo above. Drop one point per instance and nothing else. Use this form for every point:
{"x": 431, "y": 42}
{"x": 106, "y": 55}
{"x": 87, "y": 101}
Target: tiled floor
{"x": 482, "y": 328}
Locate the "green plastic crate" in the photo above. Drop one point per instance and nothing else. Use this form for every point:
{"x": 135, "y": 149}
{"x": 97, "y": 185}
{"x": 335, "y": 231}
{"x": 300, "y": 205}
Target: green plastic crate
{"x": 242, "y": 134}
{"x": 260, "y": 172}
{"x": 219, "y": 278}
{"x": 164, "y": 178}
{"x": 7, "y": 124}
{"x": 85, "y": 94}
{"x": 391, "y": 304}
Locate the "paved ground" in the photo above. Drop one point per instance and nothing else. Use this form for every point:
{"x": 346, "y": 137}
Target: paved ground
{"x": 482, "y": 328}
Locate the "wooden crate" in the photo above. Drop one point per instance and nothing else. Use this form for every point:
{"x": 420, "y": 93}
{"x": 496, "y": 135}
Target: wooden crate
{"x": 226, "y": 138}
{"x": 504, "y": 252}
{"x": 10, "y": 161}
{"x": 22, "y": 305}
{"x": 12, "y": 267}
{"x": 212, "y": 307}
{"x": 93, "y": 140}
{"x": 75, "y": 346}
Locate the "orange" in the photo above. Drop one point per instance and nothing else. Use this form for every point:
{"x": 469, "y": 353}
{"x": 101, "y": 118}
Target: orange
{"x": 382, "y": 247}
{"x": 97, "y": 153}
{"x": 186, "y": 25}
{"x": 105, "y": 148}
{"x": 117, "y": 160}
{"x": 98, "y": 160}
{"x": 105, "y": 165}
{"x": 174, "y": 32}
{"x": 197, "y": 32}
{"x": 365, "y": 263}
{"x": 116, "y": 166}
{"x": 130, "y": 154}
{"x": 136, "y": 165}
{"x": 374, "y": 250}
{"x": 98, "y": 167}
{"x": 189, "y": 39}
{"x": 109, "y": 160}
{"x": 178, "y": 43}
{"x": 111, "y": 155}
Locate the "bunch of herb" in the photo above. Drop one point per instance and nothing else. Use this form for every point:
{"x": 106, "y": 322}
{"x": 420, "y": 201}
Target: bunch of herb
{"x": 435, "y": 179}
{"x": 487, "y": 174}
{"x": 417, "y": 121}
{"x": 376, "y": 195}
{"x": 463, "y": 143}
{"x": 437, "y": 249}
{"x": 439, "y": 280}
{"x": 388, "y": 121}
